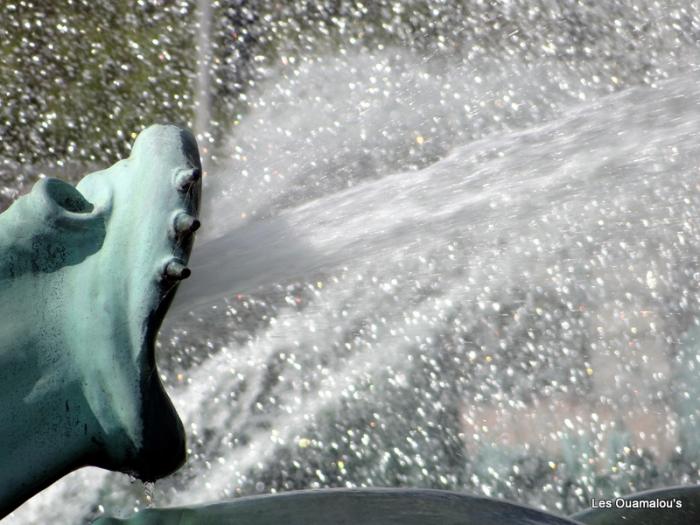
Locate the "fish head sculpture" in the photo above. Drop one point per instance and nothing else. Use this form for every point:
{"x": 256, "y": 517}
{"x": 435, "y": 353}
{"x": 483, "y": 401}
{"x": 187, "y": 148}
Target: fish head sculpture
{"x": 87, "y": 274}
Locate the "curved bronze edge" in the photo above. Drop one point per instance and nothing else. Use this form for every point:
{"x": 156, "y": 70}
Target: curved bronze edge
{"x": 378, "y": 506}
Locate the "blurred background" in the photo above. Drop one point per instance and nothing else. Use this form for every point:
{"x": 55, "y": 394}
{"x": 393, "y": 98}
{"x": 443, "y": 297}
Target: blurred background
{"x": 448, "y": 244}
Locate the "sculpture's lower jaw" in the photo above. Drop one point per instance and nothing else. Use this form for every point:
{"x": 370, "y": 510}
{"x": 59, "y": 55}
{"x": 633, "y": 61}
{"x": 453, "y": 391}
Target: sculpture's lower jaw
{"x": 163, "y": 450}
{"x": 159, "y": 448}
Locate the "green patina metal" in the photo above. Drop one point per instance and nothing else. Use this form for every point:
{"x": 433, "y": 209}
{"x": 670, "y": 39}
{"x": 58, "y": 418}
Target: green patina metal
{"x": 86, "y": 276}
{"x": 348, "y": 506}
{"x": 681, "y": 506}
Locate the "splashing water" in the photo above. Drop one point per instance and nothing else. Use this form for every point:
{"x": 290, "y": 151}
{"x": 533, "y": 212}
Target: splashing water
{"x": 527, "y": 295}
{"x": 468, "y": 273}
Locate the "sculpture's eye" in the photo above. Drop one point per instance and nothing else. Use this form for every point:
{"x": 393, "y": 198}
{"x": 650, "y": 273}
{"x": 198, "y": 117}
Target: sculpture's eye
{"x": 66, "y": 196}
